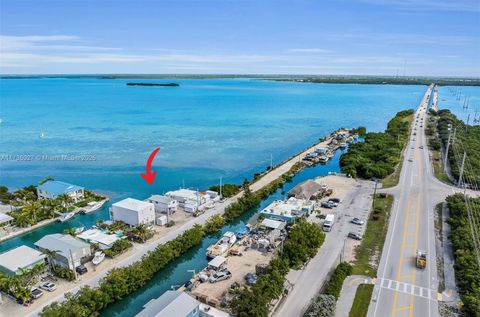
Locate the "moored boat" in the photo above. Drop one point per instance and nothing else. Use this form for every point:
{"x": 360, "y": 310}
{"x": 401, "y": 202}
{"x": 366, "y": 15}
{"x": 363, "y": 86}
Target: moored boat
{"x": 65, "y": 216}
{"x": 222, "y": 246}
{"x": 92, "y": 206}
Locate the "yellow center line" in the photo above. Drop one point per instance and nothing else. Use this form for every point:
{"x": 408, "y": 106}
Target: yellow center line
{"x": 402, "y": 251}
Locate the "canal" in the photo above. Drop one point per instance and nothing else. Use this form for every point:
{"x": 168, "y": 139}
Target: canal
{"x": 177, "y": 273}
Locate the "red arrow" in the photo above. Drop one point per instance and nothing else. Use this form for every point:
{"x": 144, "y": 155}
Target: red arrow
{"x": 149, "y": 176}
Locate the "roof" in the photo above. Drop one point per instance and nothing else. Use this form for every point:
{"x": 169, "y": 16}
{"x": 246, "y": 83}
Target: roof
{"x": 185, "y": 193}
{"x": 217, "y": 261}
{"x": 20, "y": 257}
{"x": 5, "y": 218}
{"x": 305, "y": 190}
{"x": 273, "y": 224}
{"x": 160, "y": 199}
{"x": 97, "y": 236}
{"x": 212, "y": 311}
{"x": 132, "y": 204}
{"x": 62, "y": 243}
{"x": 170, "y": 304}
{"x": 58, "y": 188}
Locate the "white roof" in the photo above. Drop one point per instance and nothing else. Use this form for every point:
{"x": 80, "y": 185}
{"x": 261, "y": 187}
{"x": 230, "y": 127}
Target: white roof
{"x": 20, "y": 257}
{"x": 63, "y": 243}
{"x": 170, "y": 304}
{"x": 5, "y": 218}
{"x": 184, "y": 193}
{"x": 212, "y": 311}
{"x": 97, "y": 236}
{"x": 273, "y": 224}
{"x": 132, "y": 204}
{"x": 160, "y": 199}
{"x": 285, "y": 208}
{"x": 217, "y": 261}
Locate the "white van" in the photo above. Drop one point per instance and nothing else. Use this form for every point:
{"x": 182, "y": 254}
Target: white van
{"x": 328, "y": 223}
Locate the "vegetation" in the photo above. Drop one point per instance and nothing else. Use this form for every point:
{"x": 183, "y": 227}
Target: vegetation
{"x": 118, "y": 247}
{"x": 368, "y": 252}
{"x": 334, "y": 285}
{"x": 19, "y": 286}
{"x": 139, "y": 233}
{"x": 466, "y": 266}
{"x": 467, "y": 138}
{"x": 361, "y": 131}
{"x": 255, "y": 301}
{"x": 322, "y": 306}
{"x": 378, "y": 155}
{"x": 228, "y": 190}
{"x": 362, "y": 300}
{"x": 63, "y": 272}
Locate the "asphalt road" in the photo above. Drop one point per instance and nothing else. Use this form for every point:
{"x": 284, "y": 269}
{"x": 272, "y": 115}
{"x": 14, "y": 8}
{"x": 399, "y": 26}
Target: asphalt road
{"x": 401, "y": 288}
{"x": 357, "y": 203}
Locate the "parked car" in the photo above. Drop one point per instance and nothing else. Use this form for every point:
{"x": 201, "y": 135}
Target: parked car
{"x": 321, "y": 216}
{"x": 335, "y": 200}
{"x": 327, "y": 204}
{"x": 410, "y": 160}
{"x": 357, "y": 221}
{"x": 36, "y": 293}
{"x": 251, "y": 279}
{"x": 48, "y": 286}
{"x": 220, "y": 276}
{"x": 354, "y": 235}
{"x": 421, "y": 147}
{"x": 81, "y": 269}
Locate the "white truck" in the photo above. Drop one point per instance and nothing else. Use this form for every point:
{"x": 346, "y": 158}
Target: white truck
{"x": 328, "y": 222}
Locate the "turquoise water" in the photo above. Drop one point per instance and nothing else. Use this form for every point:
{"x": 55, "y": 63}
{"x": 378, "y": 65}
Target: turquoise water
{"x": 176, "y": 273}
{"x": 447, "y": 99}
{"x": 205, "y": 128}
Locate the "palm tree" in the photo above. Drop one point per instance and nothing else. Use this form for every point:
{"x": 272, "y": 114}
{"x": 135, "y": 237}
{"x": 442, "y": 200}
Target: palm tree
{"x": 65, "y": 199}
{"x": 51, "y": 254}
{"x": 32, "y": 209}
{"x": 141, "y": 232}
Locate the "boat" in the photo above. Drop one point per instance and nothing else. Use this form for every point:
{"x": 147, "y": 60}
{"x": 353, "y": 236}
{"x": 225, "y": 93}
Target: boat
{"x": 79, "y": 230}
{"x": 65, "y": 216}
{"x": 92, "y": 206}
{"x": 323, "y": 159}
{"x": 343, "y": 145}
{"x": 41, "y": 135}
{"x": 222, "y": 246}
{"x": 98, "y": 258}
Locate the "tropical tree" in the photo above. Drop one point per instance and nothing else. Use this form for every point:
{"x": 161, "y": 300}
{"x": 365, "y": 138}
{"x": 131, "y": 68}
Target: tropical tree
{"x": 32, "y": 209}
{"x": 51, "y": 254}
{"x": 65, "y": 200}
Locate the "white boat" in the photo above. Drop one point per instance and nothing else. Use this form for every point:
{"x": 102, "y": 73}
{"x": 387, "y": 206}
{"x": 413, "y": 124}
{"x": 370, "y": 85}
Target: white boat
{"x": 343, "y": 145}
{"x": 41, "y": 135}
{"x": 65, "y": 216}
{"x": 92, "y": 206}
{"x": 79, "y": 230}
{"x": 98, "y": 258}
{"x": 222, "y": 246}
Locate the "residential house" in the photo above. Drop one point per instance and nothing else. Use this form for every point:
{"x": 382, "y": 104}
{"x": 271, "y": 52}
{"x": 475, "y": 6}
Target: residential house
{"x": 19, "y": 260}
{"x": 69, "y": 251}
{"x": 53, "y": 189}
{"x": 133, "y": 212}
{"x": 163, "y": 204}
{"x": 171, "y": 304}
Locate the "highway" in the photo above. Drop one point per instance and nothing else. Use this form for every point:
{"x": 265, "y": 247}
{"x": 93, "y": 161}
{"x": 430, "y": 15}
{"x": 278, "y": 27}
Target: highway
{"x": 401, "y": 288}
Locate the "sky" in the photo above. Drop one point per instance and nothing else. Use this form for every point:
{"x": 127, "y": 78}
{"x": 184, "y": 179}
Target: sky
{"x": 360, "y": 37}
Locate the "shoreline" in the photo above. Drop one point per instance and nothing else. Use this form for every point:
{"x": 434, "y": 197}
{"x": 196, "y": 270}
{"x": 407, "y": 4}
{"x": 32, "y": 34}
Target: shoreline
{"x": 40, "y": 224}
{"x": 141, "y": 249}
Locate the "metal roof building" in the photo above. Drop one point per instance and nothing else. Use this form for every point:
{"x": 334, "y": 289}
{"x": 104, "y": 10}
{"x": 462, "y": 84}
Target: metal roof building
{"x": 15, "y": 261}
{"x": 171, "y": 304}
{"x": 70, "y": 251}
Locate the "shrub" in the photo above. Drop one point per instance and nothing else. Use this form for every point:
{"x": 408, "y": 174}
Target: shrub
{"x": 64, "y": 272}
{"x": 334, "y": 285}
{"x": 322, "y": 306}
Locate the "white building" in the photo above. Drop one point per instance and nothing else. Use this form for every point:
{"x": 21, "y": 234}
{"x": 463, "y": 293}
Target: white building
{"x": 104, "y": 241}
{"x": 163, "y": 204}
{"x": 69, "y": 252}
{"x": 133, "y": 212}
{"x": 288, "y": 210}
{"x": 53, "y": 189}
{"x": 20, "y": 259}
{"x": 192, "y": 200}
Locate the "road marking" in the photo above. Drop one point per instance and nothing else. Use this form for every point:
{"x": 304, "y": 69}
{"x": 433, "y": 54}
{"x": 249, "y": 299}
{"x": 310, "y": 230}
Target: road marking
{"x": 400, "y": 308}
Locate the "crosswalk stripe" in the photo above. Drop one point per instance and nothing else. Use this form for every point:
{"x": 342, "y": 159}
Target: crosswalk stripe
{"x": 406, "y": 288}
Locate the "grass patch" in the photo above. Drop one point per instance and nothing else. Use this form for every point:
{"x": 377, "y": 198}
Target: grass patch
{"x": 393, "y": 179}
{"x": 361, "y": 301}
{"x": 369, "y": 251}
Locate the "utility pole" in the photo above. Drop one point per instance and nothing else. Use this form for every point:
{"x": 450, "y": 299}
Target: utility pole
{"x": 221, "y": 187}
{"x": 446, "y": 152}
{"x": 271, "y": 162}
{"x": 468, "y": 120}
{"x": 460, "y": 179}
{"x": 374, "y": 193}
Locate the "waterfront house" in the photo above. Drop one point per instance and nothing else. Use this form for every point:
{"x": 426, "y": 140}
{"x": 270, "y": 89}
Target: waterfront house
{"x": 133, "y": 212}
{"x": 19, "y": 260}
{"x": 163, "y": 204}
{"x": 189, "y": 200}
{"x": 53, "y": 189}
{"x": 69, "y": 252}
{"x": 288, "y": 210}
{"x": 4, "y": 218}
{"x": 104, "y": 241}
{"x": 171, "y": 304}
